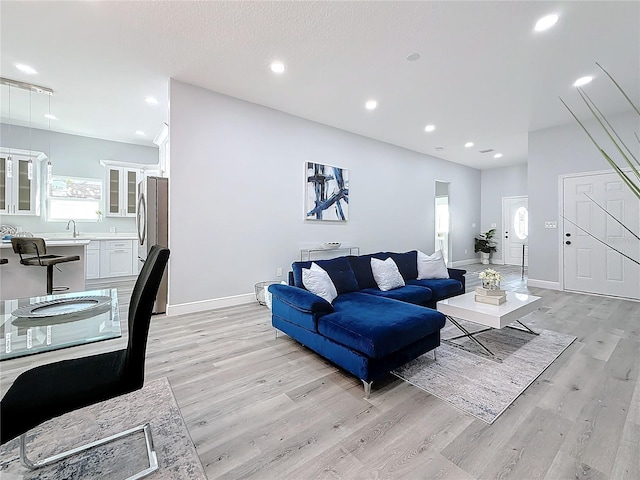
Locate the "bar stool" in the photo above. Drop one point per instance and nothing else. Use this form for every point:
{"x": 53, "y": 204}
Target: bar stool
{"x": 31, "y": 245}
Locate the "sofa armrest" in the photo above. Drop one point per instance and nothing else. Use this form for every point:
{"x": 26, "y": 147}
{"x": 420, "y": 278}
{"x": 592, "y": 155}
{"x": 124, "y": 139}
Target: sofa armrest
{"x": 300, "y": 299}
{"x": 458, "y": 274}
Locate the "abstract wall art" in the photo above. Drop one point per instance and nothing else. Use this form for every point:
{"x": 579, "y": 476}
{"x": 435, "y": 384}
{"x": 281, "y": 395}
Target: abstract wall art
{"x": 327, "y": 193}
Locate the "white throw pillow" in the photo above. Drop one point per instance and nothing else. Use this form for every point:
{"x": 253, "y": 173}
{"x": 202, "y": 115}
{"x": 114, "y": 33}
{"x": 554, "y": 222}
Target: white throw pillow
{"x": 268, "y": 298}
{"x": 386, "y": 274}
{"x": 317, "y": 280}
{"x": 431, "y": 266}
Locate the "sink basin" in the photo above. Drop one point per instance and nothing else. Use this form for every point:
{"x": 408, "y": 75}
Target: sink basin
{"x": 62, "y": 236}
{"x": 66, "y": 241}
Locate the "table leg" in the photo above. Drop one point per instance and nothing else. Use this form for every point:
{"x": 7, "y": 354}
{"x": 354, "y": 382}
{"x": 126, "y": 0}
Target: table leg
{"x": 526, "y": 329}
{"x": 469, "y": 335}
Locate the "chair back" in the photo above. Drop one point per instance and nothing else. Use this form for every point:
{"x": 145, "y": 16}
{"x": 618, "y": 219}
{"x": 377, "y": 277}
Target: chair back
{"x": 29, "y": 245}
{"x": 140, "y": 310}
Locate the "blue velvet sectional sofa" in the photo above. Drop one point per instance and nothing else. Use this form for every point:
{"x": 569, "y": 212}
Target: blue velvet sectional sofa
{"x": 366, "y": 331}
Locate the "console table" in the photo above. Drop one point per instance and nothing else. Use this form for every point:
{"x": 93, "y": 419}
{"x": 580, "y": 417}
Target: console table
{"x": 307, "y": 253}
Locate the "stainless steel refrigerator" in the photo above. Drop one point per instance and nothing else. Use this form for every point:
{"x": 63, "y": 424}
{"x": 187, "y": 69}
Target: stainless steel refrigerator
{"x": 152, "y": 218}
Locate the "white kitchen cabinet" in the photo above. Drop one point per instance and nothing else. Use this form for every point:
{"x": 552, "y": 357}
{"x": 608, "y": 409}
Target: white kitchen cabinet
{"x": 20, "y": 181}
{"x": 122, "y": 190}
{"x": 92, "y": 260}
{"x": 116, "y": 258}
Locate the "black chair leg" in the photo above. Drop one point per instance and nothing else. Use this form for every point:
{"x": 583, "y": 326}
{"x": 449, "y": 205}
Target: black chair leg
{"x": 49, "y": 279}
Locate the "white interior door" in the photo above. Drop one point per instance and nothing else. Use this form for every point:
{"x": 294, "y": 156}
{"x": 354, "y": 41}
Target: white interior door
{"x": 515, "y": 218}
{"x": 589, "y": 265}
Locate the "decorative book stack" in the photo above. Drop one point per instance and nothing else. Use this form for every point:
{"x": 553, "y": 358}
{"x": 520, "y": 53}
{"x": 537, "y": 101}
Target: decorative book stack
{"x": 492, "y": 297}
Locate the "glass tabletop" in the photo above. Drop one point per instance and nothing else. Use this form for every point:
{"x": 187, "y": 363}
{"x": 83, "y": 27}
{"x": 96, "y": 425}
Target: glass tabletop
{"x": 41, "y": 324}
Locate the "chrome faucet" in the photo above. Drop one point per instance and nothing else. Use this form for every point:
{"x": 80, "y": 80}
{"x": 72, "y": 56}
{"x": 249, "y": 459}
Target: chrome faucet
{"x": 75, "y": 232}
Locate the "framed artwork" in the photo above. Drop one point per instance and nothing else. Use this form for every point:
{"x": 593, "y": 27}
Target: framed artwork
{"x": 327, "y": 193}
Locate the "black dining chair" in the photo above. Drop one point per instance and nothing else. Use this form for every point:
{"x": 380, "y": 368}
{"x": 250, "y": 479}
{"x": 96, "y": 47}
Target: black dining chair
{"x": 48, "y": 391}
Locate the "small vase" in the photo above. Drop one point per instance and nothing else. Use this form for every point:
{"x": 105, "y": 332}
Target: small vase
{"x": 491, "y": 284}
{"x": 484, "y": 258}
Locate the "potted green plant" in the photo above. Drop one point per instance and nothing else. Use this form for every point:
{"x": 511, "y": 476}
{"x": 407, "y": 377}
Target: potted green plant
{"x": 485, "y": 245}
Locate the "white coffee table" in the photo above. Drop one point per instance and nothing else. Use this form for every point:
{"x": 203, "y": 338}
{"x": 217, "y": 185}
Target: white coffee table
{"x": 465, "y": 307}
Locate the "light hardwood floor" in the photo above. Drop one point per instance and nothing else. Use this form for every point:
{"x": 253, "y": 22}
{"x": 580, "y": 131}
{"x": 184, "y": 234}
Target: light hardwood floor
{"x": 266, "y": 408}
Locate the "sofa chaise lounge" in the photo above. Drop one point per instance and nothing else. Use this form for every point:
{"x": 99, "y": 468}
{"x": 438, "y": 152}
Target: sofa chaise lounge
{"x": 365, "y": 330}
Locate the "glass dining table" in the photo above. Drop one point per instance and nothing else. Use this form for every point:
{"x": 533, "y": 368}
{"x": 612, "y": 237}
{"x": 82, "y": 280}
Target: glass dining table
{"x": 51, "y": 322}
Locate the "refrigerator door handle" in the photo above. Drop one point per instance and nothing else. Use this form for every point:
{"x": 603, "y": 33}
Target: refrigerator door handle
{"x": 141, "y": 218}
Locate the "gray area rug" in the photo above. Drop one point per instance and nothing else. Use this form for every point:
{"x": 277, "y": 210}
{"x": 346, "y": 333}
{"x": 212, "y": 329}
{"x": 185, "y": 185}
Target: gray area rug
{"x": 177, "y": 457}
{"x": 472, "y": 381}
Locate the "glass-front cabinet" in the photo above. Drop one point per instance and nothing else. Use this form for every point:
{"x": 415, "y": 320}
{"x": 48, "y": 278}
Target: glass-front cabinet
{"x": 122, "y": 190}
{"x": 20, "y": 181}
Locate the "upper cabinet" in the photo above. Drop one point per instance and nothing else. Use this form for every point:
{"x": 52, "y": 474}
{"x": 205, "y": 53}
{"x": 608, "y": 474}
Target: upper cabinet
{"x": 121, "y": 183}
{"x": 122, "y": 190}
{"x": 20, "y": 181}
{"x": 162, "y": 141}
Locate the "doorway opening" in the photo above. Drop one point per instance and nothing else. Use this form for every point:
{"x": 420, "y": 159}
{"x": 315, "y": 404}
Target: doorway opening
{"x": 442, "y": 220}
{"x": 515, "y": 221}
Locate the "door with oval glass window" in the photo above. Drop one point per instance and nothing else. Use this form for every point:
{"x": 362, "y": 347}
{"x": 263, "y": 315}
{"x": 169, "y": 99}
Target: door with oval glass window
{"x": 515, "y": 219}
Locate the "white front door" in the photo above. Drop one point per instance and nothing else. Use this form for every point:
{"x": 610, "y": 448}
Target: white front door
{"x": 589, "y": 264}
{"x": 515, "y": 218}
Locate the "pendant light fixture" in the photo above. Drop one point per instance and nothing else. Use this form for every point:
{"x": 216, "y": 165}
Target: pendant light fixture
{"x": 49, "y": 166}
{"x": 9, "y": 164}
{"x": 30, "y": 162}
{"x": 31, "y": 88}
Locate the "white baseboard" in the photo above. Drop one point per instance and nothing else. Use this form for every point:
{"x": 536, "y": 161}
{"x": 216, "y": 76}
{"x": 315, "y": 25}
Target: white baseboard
{"x": 468, "y": 261}
{"x": 210, "y": 304}
{"x": 532, "y": 282}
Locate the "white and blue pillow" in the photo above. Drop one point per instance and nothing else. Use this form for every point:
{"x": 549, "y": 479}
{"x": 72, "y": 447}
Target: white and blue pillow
{"x": 386, "y": 274}
{"x": 317, "y": 281}
{"x": 431, "y": 266}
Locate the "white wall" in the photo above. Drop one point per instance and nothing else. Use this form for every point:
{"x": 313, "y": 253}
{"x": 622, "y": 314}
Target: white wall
{"x": 236, "y": 195}
{"x": 75, "y": 156}
{"x": 554, "y": 152}
{"x": 495, "y": 184}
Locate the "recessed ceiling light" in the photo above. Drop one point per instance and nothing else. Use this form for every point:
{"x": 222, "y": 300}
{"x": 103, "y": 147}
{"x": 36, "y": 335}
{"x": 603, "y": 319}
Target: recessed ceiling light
{"x": 497, "y": 155}
{"x": 429, "y": 128}
{"x": 50, "y": 116}
{"x": 413, "y": 57}
{"x": 468, "y": 144}
{"x": 277, "y": 67}
{"x": 26, "y": 68}
{"x": 371, "y": 105}
{"x": 140, "y": 132}
{"x": 439, "y": 149}
{"x": 582, "y": 81}
{"x": 546, "y": 23}
{"x": 151, "y": 100}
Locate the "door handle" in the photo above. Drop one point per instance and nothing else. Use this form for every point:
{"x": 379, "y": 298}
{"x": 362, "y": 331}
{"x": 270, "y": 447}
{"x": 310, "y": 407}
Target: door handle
{"x": 568, "y": 242}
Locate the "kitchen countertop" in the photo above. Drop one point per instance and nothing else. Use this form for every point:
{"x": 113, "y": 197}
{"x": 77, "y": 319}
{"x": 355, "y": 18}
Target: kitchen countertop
{"x": 56, "y": 243}
{"x": 66, "y": 240}
{"x": 87, "y": 236}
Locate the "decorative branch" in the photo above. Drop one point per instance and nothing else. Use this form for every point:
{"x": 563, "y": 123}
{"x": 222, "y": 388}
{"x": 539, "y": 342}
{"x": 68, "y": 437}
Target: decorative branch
{"x": 612, "y": 216}
{"x": 601, "y": 241}
{"x": 631, "y": 165}
{"x": 619, "y": 88}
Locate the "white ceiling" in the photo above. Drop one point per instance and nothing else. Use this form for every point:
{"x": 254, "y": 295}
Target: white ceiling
{"x": 483, "y": 75}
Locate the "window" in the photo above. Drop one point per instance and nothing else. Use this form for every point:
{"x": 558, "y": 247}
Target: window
{"x": 73, "y": 197}
{"x": 521, "y": 223}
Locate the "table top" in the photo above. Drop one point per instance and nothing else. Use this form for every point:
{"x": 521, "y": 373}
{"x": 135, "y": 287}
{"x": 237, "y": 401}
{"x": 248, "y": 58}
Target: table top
{"x": 21, "y": 336}
{"x": 465, "y": 307}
